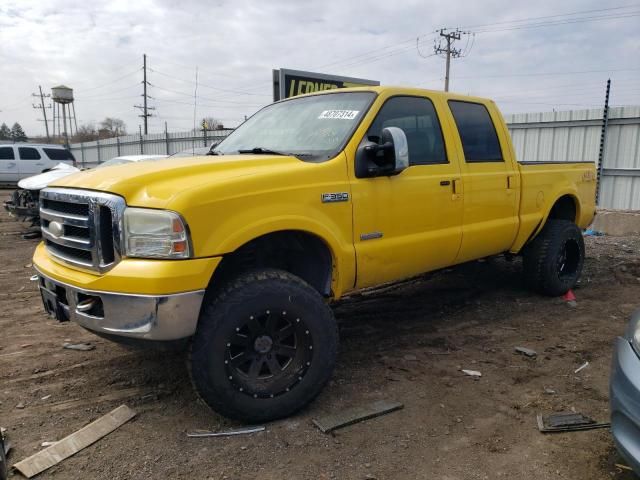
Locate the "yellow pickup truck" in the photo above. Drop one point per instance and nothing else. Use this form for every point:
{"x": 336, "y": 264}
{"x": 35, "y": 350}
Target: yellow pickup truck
{"x": 240, "y": 254}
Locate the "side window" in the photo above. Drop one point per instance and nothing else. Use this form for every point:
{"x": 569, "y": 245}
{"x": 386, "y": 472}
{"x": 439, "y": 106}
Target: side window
{"x": 6, "y": 153}
{"x": 418, "y": 119}
{"x": 29, "y": 153}
{"x": 477, "y": 132}
{"x": 58, "y": 154}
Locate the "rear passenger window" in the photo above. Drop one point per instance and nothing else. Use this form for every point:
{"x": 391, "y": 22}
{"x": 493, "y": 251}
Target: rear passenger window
{"x": 419, "y": 121}
{"x": 28, "y": 153}
{"x": 6, "y": 153}
{"x": 58, "y": 154}
{"x": 477, "y": 132}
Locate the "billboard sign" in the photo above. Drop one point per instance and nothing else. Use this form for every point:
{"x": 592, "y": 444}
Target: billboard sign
{"x": 290, "y": 83}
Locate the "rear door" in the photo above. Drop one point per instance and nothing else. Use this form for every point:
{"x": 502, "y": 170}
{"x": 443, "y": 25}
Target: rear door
{"x": 8, "y": 165}
{"x": 31, "y": 161}
{"x": 491, "y": 192}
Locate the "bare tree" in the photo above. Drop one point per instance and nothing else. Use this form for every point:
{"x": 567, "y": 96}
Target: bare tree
{"x": 114, "y": 127}
{"x": 85, "y": 133}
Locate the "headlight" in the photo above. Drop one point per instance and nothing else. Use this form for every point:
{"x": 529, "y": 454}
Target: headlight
{"x": 633, "y": 331}
{"x": 155, "y": 233}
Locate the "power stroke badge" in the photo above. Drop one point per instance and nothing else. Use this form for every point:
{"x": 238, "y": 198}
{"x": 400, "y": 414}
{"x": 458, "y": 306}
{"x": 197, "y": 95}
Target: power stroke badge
{"x": 335, "y": 197}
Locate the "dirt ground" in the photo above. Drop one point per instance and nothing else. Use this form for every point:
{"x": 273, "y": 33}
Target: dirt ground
{"x": 406, "y": 343}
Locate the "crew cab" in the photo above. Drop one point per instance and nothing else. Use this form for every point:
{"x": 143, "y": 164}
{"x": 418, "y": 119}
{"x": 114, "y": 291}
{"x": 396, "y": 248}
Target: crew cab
{"x": 22, "y": 160}
{"x": 239, "y": 254}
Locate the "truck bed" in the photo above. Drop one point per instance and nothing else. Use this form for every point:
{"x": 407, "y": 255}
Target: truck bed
{"x": 543, "y": 183}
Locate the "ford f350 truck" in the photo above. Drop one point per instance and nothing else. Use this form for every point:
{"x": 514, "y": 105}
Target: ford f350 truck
{"x": 240, "y": 254}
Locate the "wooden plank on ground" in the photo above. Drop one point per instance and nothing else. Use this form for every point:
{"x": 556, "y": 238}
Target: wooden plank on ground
{"x": 355, "y": 415}
{"x": 75, "y": 442}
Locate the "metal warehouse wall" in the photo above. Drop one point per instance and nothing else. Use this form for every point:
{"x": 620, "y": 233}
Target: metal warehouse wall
{"x": 89, "y": 154}
{"x": 575, "y": 135}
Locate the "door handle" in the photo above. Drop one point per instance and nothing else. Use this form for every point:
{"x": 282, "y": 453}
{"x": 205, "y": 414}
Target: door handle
{"x": 510, "y": 181}
{"x": 11, "y": 164}
{"x": 457, "y": 189}
{"x": 40, "y": 163}
{"x": 444, "y": 183}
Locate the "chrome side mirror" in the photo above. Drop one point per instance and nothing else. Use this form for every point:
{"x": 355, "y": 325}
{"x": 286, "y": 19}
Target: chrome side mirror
{"x": 398, "y": 139}
{"x": 388, "y": 157}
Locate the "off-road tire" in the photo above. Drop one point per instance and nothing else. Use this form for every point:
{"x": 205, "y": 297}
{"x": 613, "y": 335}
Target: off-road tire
{"x": 553, "y": 261}
{"x": 267, "y": 297}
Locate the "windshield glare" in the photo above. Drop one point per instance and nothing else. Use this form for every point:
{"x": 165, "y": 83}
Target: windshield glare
{"x": 314, "y": 127}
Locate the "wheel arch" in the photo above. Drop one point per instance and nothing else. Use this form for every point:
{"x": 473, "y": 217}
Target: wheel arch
{"x": 299, "y": 252}
{"x": 565, "y": 207}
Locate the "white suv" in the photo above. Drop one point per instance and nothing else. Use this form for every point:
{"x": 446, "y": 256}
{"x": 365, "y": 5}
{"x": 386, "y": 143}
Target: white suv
{"x": 21, "y": 160}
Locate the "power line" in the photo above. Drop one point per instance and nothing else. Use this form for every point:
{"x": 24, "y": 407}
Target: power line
{"x": 111, "y": 82}
{"x": 111, "y": 92}
{"x": 542, "y": 74}
{"x": 527, "y": 19}
{"x": 241, "y": 92}
{"x": 561, "y": 22}
{"x": 190, "y": 95}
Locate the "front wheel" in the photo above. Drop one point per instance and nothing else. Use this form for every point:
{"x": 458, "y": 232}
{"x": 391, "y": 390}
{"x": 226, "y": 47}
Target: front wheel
{"x": 265, "y": 347}
{"x": 553, "y": 260}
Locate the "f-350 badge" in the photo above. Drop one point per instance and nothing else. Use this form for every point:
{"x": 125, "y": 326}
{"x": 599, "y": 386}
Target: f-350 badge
{"x": 335, "y": 197}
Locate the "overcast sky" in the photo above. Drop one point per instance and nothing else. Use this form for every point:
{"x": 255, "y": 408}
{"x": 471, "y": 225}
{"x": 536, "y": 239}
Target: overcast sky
{"x": 525, "y": 62}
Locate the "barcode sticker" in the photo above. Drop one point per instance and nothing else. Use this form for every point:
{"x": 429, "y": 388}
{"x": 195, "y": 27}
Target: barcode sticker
{"x": 340, "y": 114}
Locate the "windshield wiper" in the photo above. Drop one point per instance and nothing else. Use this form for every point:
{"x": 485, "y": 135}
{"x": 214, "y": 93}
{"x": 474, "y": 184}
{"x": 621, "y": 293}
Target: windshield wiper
{"x": 263, "y": 151}
{"x": 214, "y": 152}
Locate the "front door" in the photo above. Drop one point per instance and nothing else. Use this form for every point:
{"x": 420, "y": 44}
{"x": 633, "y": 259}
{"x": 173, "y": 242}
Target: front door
{"x": 408, "y": 223}
{"x": 8, "y": 166}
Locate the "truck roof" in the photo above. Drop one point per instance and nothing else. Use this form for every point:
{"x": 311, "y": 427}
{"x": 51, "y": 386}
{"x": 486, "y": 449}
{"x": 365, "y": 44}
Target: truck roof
{"x": 395, "y": 90}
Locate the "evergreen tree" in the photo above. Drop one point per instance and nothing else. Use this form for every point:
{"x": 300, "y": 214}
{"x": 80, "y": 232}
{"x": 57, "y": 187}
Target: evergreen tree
{"x": 17, "y": 134}
{"x": 5, "y": 133}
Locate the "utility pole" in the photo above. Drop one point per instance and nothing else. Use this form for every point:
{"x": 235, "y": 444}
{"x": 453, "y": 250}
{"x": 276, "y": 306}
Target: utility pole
{"x": 603, "y": 139}
{"x": 144, "y": 107}
{"x": 44, "y": 110}
{"x": 449, "y": 51}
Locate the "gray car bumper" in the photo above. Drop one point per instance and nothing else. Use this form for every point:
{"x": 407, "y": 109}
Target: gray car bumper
{"x": 625, "y": 402}
{"x": 144, "y": 317}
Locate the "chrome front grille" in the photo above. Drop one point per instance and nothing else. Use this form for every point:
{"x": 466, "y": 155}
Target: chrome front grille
{"x": 82, "y": 228}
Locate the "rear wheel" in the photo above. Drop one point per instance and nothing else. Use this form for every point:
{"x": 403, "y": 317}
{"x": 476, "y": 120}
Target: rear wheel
{"x": 553, "y": 261}
{"x": 265, "y": 347}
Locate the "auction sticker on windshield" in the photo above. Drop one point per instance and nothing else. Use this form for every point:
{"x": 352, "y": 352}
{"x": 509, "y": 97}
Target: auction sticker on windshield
{"x": 340, "y": 114}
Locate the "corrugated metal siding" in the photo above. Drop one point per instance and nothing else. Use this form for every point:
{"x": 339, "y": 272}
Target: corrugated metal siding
{"x": 575, "y": 136}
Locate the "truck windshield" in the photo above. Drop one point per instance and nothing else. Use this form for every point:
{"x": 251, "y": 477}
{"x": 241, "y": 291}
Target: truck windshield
{"x": 310, "y": 128}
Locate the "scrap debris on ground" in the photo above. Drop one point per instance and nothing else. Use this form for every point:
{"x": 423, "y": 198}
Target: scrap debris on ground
{"x": 568, "y": 422}
{"x": 356, "y": 414}
{"x": 407, "y": 342}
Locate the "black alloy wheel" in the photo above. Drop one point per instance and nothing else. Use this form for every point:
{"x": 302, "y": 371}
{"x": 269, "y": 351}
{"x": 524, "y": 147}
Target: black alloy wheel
{"x": 269, "y": 354}
{"x": 265, "y": 346}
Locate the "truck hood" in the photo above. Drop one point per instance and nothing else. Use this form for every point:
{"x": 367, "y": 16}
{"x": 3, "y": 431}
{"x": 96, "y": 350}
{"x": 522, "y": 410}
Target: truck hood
{"x": 155, "y": 183}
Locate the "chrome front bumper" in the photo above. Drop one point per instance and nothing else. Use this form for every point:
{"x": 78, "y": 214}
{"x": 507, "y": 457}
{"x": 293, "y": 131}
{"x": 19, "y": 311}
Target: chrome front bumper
{"x": 145, "y": 317}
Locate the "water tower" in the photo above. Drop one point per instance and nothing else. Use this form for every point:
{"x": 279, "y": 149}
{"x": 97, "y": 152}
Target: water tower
{"x": 63, "y": 99}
